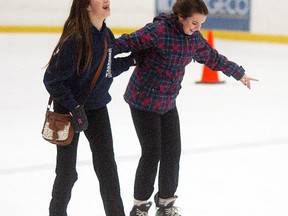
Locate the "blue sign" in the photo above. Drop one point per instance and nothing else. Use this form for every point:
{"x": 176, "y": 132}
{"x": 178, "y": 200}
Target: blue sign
{"x": 223, "y": 14}
{"x": 228, "y": 15}
{"x": 164, "y": 6}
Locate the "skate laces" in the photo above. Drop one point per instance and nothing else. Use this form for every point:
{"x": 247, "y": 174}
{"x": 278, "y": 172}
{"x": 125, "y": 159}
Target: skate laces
{"x": 166, "y": 206}
{"x": 142, "y": 209}
{"x": 173, "y": 211}
{"x": 141, "y": 213}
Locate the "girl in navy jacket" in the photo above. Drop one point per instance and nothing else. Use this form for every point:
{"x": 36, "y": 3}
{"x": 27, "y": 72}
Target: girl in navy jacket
{"x": 68, "y": 76}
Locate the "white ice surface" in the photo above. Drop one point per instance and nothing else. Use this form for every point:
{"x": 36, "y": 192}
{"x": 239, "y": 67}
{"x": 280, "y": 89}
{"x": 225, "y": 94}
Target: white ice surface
{"x": 234, "y": 140}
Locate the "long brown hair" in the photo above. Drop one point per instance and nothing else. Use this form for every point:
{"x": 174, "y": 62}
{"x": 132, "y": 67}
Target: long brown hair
{"x": 77, "y": 25}
{"x": 186, "y": 8}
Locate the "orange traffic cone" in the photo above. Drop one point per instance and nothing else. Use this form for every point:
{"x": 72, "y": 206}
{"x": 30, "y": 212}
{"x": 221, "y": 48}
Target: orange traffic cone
{"x": 209, "y": 76}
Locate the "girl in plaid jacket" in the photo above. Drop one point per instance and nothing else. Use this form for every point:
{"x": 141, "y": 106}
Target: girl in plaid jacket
{"x": 164, "y": 47}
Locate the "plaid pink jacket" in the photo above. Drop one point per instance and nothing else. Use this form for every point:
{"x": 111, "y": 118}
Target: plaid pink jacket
{"x": 164, "y": 51}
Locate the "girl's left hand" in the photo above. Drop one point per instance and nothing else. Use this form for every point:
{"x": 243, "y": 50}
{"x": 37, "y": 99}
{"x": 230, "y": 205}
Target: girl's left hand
{"x": 246, "y": 81}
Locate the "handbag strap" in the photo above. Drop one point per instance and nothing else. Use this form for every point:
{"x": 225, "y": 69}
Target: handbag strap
{"x": 95, "y": 78}
{"x": 99, "y": 69}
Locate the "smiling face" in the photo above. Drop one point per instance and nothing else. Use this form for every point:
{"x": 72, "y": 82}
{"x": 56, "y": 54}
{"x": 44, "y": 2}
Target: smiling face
{"x": 193, "y": 23}
{"x": 98, "y": 10}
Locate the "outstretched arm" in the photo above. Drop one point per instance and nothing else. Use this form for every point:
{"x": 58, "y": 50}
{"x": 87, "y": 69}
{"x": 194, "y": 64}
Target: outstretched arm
{"x": 121, "y": 64}
{"x": 209, "y": 56}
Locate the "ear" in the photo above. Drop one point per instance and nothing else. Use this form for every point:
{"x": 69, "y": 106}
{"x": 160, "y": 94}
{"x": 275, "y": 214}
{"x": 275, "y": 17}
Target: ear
{"x": 180, "y": 17}
{"x": 89, "y": 8}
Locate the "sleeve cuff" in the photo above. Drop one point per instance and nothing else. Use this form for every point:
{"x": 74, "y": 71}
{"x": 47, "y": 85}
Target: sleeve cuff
{"x": 239, "y": 73}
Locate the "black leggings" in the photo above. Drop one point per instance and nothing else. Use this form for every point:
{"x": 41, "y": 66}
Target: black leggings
{"x": 159, "y": 137}
{"x": 101, "y": 145}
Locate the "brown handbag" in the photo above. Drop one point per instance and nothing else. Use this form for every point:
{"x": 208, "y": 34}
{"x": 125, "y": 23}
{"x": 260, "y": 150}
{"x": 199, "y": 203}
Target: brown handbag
{"x": 58, "y": 128}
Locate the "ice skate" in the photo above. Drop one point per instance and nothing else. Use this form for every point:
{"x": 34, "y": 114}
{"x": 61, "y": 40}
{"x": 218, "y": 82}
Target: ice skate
{"x": 165, "y": 207}
{"x": 141, "y": 210}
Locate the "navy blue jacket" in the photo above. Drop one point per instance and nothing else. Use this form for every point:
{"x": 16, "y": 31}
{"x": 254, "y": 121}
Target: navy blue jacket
{"x": 68, "y": 89}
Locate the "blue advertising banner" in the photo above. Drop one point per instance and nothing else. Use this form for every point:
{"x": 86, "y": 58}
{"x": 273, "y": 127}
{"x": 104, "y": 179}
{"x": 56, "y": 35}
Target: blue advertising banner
{"x": 164, "y": 6}
{"x": 223, "y": 14}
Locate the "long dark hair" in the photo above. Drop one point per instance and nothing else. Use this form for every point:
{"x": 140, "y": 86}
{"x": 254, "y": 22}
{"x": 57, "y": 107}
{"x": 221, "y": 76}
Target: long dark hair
{"x": 77, "y": 25}
{"x": 186, "y": 8}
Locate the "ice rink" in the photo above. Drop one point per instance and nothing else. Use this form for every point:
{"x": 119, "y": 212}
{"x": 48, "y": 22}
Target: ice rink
{"x": 234, "y": 140}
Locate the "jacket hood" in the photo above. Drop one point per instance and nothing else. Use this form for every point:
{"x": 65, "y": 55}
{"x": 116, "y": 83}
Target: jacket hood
{"x": 162, "y": 16}
{"x": 167, "y": 18}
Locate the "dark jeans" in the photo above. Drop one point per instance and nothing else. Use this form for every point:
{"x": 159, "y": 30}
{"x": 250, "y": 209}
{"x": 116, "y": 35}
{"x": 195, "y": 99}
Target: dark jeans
{"x": 101, "y": 145}
{"x": 159, "y": 137}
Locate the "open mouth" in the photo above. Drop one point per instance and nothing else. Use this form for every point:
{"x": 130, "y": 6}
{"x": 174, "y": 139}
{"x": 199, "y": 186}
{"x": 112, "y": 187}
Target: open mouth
{"x": 106, "y": 7}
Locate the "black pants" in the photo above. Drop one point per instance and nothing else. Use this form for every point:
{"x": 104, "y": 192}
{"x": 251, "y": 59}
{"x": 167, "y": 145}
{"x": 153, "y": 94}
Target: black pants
{"x": 101, "y": 145}
{"x": 159, "y": 137}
